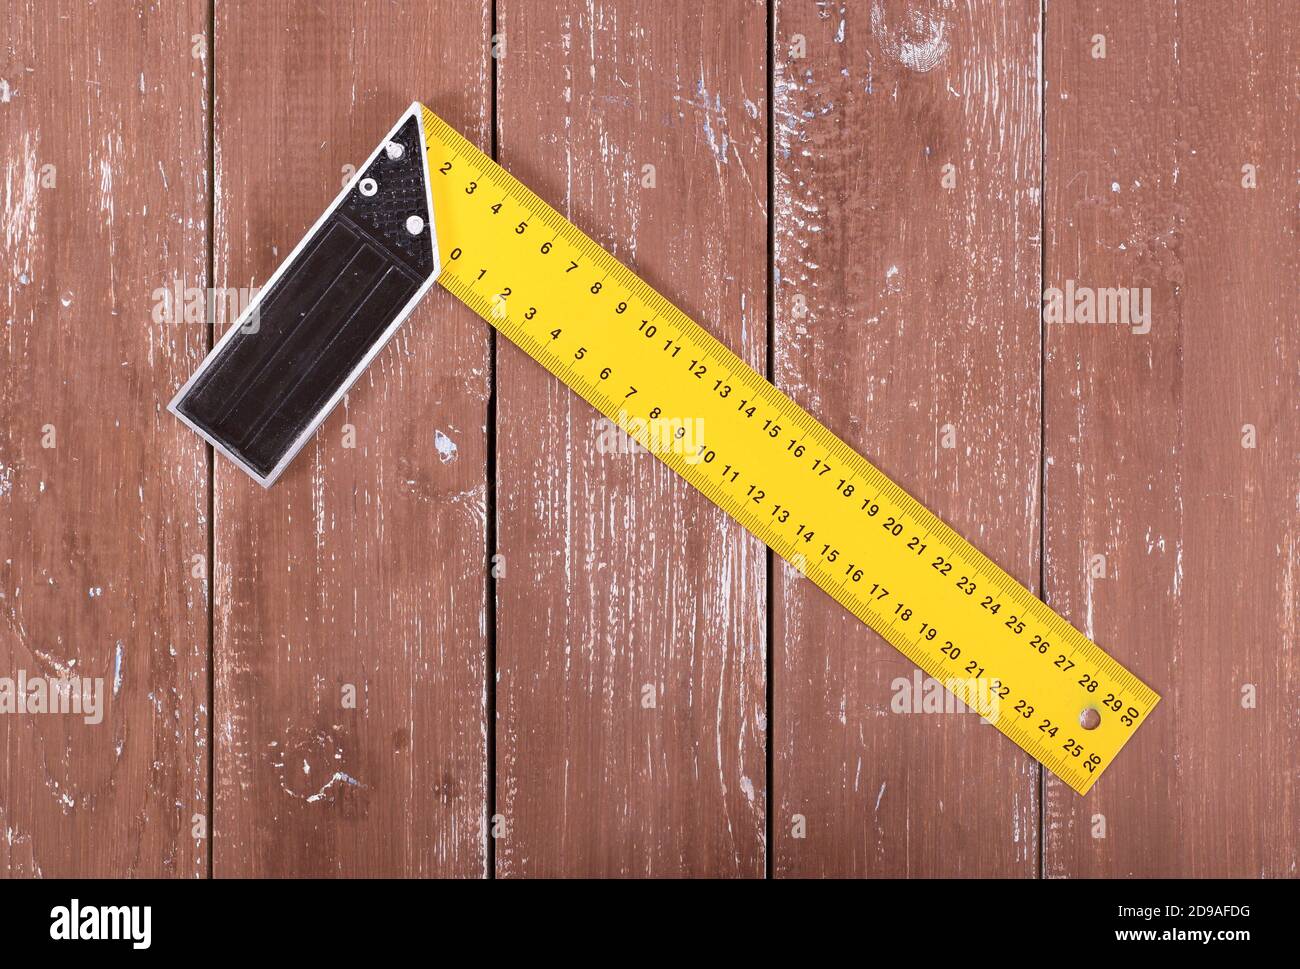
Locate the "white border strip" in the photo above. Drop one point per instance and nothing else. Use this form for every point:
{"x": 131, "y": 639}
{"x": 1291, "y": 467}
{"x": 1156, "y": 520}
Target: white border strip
{"x": 414, "y": 111}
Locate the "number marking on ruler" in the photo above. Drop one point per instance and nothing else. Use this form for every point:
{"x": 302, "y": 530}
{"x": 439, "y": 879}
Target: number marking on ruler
{"x": 772, "y": 466}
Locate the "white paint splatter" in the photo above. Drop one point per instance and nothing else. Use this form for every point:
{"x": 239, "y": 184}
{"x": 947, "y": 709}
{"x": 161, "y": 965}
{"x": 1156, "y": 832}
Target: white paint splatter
{"x": 21, "y": 194}
{"x": 338, "y": 778}
{"x": 446, "y": 447}
{"x": 64, "y": 669}
{"x": 747, "y": 788}
{"x": 918, "y": 45}
{"x": 118, "y": 656}
{"x": 893, "y": 282}
{"x": 711, "y": 111}
{"x": 106, "y": 181}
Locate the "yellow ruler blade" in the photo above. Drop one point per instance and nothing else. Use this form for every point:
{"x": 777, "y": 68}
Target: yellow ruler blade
{"x": 772, "y": 466}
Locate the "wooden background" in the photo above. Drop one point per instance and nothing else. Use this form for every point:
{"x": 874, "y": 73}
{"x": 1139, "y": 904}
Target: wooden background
{"x": 886, "y": 189}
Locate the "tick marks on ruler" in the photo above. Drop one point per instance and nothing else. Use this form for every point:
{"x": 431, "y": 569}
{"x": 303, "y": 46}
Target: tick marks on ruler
{"x": 770, "y": 465}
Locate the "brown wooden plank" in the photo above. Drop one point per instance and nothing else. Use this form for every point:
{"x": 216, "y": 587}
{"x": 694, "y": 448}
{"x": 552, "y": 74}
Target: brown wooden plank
{"x": 906, "y": 313}
{"x": 620, "y": 578}
{"x": 363, "y": 566}
{"x": 1144, "y": 433}
{"x": 103, "y": 496}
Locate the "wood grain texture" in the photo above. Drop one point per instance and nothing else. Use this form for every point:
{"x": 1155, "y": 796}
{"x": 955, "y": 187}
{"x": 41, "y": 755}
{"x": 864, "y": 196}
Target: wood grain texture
{"x": 1144, "y": 433}
{"x": 103, "y": 497}
{"x": 622, "y": 581}
{"x": 906, "y": 317}
{"x": 906, "y": 312}
{"x": 364, "y": 566}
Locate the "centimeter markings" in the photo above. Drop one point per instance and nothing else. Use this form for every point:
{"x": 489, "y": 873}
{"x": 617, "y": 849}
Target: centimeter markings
{"x": 768, "y": 463}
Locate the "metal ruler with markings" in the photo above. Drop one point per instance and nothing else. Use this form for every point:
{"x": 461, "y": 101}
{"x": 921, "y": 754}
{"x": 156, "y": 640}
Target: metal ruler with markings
{"x": 678, "y": 392}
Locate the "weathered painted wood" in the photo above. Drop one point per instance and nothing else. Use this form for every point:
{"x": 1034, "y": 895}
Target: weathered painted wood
{"x": 907, "y": 256}
{"x": 1169, "y": 539}
{"x": 103, "y": 495}
{"x": 906, "y": 317}
{"x": 623, "y": 585}
{"x": 363, "y": 571}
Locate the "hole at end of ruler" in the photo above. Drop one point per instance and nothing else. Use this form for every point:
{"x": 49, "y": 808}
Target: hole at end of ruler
{"x": 1090, "y": 719}
{"x": 368, "y": 187}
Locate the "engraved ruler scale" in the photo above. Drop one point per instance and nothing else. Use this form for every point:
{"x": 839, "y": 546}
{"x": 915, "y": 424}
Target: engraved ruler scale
{"x": 428, "y": 206}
